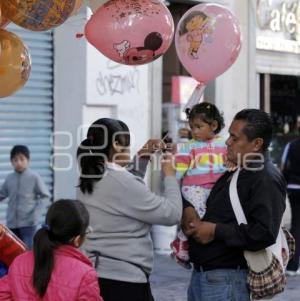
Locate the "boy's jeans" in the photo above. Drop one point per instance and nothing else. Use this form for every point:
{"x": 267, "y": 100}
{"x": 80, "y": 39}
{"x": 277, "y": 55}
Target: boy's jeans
{"x": 219, "y": 285}
{"x": 25, "y": 234}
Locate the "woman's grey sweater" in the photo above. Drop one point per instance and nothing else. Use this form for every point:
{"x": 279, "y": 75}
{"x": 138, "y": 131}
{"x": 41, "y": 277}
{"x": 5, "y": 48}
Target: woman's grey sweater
{"x": 122, "y": 210}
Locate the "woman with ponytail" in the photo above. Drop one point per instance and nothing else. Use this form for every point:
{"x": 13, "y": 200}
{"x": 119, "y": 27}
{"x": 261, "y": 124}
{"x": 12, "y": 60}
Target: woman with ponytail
{"x": 55, "y": 269}
{"x": 123, "y": 209}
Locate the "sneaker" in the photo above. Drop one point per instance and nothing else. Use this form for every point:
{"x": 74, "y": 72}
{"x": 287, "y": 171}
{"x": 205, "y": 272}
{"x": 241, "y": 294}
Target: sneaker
{"x": 181, "y": 249}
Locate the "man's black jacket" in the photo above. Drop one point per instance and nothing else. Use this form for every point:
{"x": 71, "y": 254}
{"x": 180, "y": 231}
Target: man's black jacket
{"x": 262, "y": 195}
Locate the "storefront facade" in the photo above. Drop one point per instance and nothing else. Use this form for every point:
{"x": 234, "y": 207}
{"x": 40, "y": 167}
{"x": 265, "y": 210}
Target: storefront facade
{"x": 278, "y": 67}
{"x": 84, "y": 85}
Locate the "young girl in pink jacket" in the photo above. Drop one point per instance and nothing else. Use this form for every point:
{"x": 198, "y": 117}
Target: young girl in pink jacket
{"x": 55, "y": 269}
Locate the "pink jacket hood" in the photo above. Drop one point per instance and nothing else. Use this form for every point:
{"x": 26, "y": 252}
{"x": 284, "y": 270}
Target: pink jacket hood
{"x": 73, "y": 278}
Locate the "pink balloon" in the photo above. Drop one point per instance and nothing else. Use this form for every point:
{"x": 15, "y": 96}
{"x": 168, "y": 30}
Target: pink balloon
{"x": 208, "y": 41}
{"x": 131, "y": 32}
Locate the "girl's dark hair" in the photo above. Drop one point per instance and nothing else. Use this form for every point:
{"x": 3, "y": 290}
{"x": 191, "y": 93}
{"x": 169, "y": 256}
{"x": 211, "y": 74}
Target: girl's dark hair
{"x": 95, "y": 150}
{"x": 183, "y": 30}
{"x": 65, "y": 220}
{"x": 208, "y": 113}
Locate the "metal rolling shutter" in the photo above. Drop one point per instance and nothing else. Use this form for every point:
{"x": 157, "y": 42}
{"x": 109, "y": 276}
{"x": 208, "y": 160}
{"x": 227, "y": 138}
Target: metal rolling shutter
{"x": 27, "y": 116}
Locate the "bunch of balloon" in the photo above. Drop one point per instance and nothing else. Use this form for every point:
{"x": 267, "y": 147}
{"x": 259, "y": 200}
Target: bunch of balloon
{"x": 38, "y": 15}
{"x": 15, "y": 63}
{"x": 208, "y": 41}
{"x": 131, "y": 32}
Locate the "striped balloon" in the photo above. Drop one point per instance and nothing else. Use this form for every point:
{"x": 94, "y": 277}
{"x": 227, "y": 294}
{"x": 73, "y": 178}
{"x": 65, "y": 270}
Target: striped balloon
{"x": 38, "y": 15}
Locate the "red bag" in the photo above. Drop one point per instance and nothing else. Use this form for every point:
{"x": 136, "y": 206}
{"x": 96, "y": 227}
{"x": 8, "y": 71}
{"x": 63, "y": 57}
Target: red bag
{"x": 10, "y": 246}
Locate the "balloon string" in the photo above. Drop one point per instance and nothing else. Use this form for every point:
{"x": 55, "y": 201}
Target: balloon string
{"x": 195, "y": 98}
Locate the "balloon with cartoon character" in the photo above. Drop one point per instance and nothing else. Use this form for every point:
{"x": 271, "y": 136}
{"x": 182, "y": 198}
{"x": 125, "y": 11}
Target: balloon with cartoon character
{"x": 208, "y": 41}
{"x": 131, "y": 32}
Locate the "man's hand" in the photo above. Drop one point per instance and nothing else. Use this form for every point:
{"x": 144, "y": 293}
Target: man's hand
{"x": 202, "y": 232}
{"x": 189, "y": 216}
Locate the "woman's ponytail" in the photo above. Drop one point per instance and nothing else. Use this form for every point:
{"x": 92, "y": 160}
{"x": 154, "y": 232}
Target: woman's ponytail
{"x": 92, "y": 165}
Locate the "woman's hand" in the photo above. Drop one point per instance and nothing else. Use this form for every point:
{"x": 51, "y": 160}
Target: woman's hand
{"x": 151, "y": 146}
{"x": 167, "y": 164}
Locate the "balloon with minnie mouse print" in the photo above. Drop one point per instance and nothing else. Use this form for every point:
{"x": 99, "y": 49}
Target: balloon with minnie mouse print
{"x": 131, "y": 32}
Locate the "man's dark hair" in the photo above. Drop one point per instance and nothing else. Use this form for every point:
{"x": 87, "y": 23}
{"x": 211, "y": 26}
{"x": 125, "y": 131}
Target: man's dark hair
{"x": 258, "y": 125}
{"x": 20, "y": 150}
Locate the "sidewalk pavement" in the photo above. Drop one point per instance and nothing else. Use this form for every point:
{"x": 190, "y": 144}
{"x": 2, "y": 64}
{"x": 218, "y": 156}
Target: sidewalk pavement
{"x": 169, "y": 282}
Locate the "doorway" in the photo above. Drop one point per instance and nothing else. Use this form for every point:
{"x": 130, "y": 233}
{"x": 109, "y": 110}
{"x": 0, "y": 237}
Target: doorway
{"x": 280, "y": 96}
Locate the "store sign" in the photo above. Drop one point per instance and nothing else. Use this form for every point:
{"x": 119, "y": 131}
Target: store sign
{"x": 278, "y": 24}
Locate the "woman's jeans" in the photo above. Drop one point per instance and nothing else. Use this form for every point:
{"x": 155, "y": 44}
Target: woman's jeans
{"x": 219, "y": 285}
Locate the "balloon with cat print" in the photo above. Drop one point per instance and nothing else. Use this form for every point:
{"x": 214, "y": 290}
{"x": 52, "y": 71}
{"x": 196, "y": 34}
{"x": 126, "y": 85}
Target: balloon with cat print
{"x": 208, "y": 41}
{"x": 131, "y": 32}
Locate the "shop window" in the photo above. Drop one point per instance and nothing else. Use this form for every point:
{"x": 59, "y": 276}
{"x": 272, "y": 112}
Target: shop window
{"x": 280, "y": 95}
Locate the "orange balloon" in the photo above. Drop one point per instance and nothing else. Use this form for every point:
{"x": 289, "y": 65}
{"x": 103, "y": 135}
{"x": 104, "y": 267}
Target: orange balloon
{"x": 15, "y": 63}
{"x": 38, "y": 15}
{"x": 3, "y": 21}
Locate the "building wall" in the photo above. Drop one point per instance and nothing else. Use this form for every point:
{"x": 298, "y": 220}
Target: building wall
{"x": 236, "y": 88}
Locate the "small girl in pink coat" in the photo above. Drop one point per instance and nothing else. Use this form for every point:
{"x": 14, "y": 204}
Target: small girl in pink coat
{"x": 55, "y": 270}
